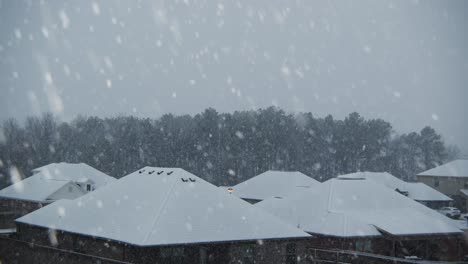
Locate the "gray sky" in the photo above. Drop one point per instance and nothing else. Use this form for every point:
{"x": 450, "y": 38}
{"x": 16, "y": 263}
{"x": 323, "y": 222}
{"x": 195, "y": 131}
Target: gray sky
{"x": 403, "y": 61}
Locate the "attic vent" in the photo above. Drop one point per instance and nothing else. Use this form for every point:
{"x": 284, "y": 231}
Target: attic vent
{"x": 184, "y": 180}
{"x": 141, "y": 171}
{"x": 151, "y": 172}
{"x": 159, "y": 172}
{"x": 405, "y": 193}
{"x": 192, "y": 180}
{"x": 169, "y": 173}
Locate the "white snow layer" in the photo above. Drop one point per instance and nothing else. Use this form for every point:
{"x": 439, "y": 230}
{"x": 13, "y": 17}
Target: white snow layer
{"x": 50, "y": 179}
{"x": 456, "y": 168}
{"x": 273, "y": 184}
{"x": 160, "y": 206}
{"x": 416, "y": 190}
{"x": 357, "y": 207}
{"x": 76, "y": 172}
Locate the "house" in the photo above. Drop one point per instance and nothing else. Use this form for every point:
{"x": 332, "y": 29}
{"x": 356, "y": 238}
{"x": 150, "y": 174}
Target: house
{"x": 160, "y": 215}
{"x": 450, "y": 179}
{"x": 361, "y": 215}
{"x": 271, "y": 184}
{"x": 48, "y": 184}
{"x": 417, "y": 191}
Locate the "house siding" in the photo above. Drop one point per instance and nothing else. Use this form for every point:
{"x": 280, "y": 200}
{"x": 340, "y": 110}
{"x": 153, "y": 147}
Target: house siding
{"x": 35, "y": 245}
{"x": 449, "y": 186}
{"x": 263, "y": 251}
{"x": 11, "y": 209}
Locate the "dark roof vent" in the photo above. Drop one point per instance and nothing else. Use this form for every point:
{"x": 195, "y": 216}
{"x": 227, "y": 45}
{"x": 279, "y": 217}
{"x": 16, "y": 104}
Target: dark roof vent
{"x": 169, "y": 173}
{"x": 192, "y": 180}
{"x": 159, "y": 172}
{"x": 151, "y": 172}
{"x": 405, "y": 193}
{"x": 141, "y": 171}
{"x": 184, "y": 180}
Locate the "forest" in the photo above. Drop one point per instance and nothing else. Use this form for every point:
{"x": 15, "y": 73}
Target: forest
{"x": 223, "y": 148}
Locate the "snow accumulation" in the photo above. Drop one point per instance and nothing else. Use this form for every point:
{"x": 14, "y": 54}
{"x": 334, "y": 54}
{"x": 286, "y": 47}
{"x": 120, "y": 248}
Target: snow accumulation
{"x": 38, "y": 188}
{"x": 461, "y": 224}
{"x": 56, "y": 181}
{"x": 273, "y": 184}
{"x": 419, "y": 191}
{"x": 416, "y": 190}
{"x": 456, "y": 168}
{"x": 346, "y": 207}
{"x": 161, "y": 206}
{"x": 76, "y": 172}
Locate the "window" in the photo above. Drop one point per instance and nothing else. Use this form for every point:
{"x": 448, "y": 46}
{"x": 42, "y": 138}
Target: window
{"x": 291, "y": 256}
{"x": 248, "y": 254}
{"x": 88, "y": 187}
{"x": 364, "y": 245}
{"x": 436, "y": 182}
{"x": 466, "y": 185}
{"x": 172, "y": 255}
{"x": 203, "y": 255}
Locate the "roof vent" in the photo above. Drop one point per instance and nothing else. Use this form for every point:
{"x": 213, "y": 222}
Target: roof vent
{"x": 184, "y": 180}
{"x": 169, "y": 173}
{"x": 192, "y": 180}
{"x": 159, "y": 172}
{"x": 151, "y": 172}
{"x": 405, "y": 193}
{"x": 141, "y": 171}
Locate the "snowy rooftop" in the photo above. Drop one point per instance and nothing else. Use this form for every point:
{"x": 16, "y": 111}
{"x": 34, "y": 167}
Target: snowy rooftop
{"x": 160, "y": 206}
{"x": 461, "y": 224}
{"x": 273, "y": 184}
{"x": 416, "y": 190}
{"x": 35, "y": 188}
{"x": 48, "y": 180}
{"x": 76, "y": 172}
{"x": 421, "y": 192}
{"x": 456, "y": 168}
{"x": 357, "y": 207}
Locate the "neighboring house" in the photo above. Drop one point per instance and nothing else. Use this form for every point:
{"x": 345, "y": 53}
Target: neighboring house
{"x": 361, "y": 215}
{"x": 271, "y": 184}
{"x": 450, "y": 179}
{"x": 161, "y": 215}
{"x": 48, "y": 184}
{"x": 417, "y": 191}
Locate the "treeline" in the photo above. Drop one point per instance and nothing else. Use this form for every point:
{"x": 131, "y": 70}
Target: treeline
{"x": 223, "y": 148}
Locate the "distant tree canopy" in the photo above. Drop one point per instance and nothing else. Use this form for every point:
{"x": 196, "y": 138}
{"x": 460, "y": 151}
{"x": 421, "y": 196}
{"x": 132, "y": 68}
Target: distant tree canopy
{"x": 225, "y": 148}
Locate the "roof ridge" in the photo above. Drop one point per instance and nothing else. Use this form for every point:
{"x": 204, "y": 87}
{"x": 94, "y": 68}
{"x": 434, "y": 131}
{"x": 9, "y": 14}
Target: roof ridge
{"x": 329, "y": 196}
{"x": 158, "y": 214}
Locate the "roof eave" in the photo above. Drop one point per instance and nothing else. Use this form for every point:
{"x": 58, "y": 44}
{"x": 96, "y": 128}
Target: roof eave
{"x": 169, "y": 244}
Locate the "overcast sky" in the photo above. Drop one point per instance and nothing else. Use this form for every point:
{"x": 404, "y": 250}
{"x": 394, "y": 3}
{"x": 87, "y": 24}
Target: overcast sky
{"x": 403, "y": 61}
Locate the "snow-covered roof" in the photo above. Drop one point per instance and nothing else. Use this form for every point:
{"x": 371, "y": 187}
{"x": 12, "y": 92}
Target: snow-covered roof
{"x": 273, "y": 184}
{"x": 161, "y": 206}
{"x": 461, "y": 224}
{"x": 416, "y": 190}
{"x": 76, "y": 172}
{"x": 35, "y": 188}
{"x": 456, "y": 168}
{"x": 421, "y": 192}
{"x": 49, "y": 179}
{"x": 357, "y": 207}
